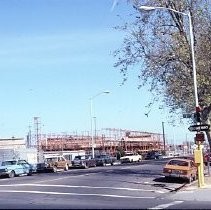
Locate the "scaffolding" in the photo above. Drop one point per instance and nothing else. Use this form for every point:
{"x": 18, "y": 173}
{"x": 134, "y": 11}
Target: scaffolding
{"x": 108, "y": 141}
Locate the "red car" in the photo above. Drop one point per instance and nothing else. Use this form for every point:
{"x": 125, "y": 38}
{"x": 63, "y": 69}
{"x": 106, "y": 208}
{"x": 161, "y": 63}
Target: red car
{"x": 207, "y": 158}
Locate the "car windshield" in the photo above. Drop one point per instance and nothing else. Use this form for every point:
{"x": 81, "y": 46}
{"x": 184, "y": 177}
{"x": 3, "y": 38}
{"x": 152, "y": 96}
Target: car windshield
{"x": 129, "y": 154}
{"x": 51, "y": 159}
{"x": 7, "y": 163}
{"x": 79, "y": 157}
{"x": 178, "y": 163}
{"x": 101, "y": 156}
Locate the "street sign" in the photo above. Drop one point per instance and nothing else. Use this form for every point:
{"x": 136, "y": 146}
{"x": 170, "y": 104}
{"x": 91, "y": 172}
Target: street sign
{"x": 204, "y": 127}
{"x": 187, "y": 115}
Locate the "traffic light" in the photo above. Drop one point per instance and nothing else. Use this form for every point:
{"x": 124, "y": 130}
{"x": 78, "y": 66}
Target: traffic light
{"x": 197, "y": 115}
{"x": 200, "y": 137}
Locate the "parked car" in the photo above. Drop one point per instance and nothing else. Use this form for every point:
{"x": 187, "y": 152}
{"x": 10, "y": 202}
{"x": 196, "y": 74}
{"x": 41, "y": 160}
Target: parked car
{"x": 56, "y": 162}
{"x": 130, "y": 157}
{"x": 152, "y": 155}
{"x": 207, "y": 158}
{"x": 83, "y": 161}
{"x": 102, "y": 160}
{"x": 12, "y": 168}
{"x": 181, "y": 168}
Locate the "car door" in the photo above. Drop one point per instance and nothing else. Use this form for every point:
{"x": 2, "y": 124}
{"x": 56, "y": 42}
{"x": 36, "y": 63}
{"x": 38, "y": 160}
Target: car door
{"x": 193, "y": 168}
{"x": 21, "y": 169}
{"x": 61, "y": 162}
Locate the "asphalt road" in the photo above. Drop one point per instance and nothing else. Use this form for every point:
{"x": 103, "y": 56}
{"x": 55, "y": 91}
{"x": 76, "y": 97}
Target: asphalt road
{"x": 128, "y": 186}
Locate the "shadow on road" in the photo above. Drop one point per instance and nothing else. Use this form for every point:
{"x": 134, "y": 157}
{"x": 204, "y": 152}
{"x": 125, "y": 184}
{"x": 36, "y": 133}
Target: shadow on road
{"x": 169, "y": 180}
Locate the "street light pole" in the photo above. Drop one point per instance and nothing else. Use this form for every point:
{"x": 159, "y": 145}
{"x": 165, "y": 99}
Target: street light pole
{"x": 193, "y": 60}
{"x": 91, "y": 118}
{"x": 198, "y": 152}
{"x": 164, "y": 140}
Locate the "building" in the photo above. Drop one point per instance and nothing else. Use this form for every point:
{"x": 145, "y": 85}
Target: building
{"x": 12, "y": 143}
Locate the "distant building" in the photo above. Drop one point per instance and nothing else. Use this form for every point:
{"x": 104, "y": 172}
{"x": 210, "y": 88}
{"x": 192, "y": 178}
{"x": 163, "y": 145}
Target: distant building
{"x": 12, "y": 143}
{"x": 15, "y": 148}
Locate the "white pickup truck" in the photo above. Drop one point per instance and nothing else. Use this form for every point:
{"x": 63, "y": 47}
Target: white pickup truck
{"x": 130, "y": 157}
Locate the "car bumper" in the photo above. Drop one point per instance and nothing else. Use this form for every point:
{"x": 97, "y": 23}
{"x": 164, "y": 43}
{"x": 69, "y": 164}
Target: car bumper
{"x": 99, "y": 163}
{"x": 4, "y": 173}
{"x": 175, "y": 175}
{"x": 78, "y": 165}
{"x": 125, "y": 160}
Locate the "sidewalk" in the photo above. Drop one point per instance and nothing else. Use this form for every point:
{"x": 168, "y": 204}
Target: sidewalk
{"x": 193, "y": 192}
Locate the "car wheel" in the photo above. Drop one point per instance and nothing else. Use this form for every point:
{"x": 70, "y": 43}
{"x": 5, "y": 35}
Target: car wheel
{"x": 30, "y": 173}
{"x": 167, "y": 178}
{"x": 54, "y": 169}
{"x": 112, "y": 163}
{"x": 104, "y": 164}
{"x": 66, "y": 167}
{"x": 190, "y": 179}
{"x": 11, "y": 174}
{"x": 86, "y": 166}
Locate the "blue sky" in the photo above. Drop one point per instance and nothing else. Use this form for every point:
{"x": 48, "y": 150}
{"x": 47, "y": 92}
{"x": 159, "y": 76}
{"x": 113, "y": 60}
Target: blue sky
{"x": 55, "y": 55}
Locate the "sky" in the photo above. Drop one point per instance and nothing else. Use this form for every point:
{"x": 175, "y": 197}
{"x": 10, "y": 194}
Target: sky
{"x": 57, "y": 54}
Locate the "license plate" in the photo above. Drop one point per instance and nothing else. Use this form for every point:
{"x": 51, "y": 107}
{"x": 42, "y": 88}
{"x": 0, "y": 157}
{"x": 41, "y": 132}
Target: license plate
{"x": 176, "y": 172}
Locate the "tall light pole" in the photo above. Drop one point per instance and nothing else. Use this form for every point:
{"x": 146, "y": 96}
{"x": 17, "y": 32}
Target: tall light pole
{"x": 91, "y": 118}
{"x": 164, "y": 139}
{"x": 198, "y": 152}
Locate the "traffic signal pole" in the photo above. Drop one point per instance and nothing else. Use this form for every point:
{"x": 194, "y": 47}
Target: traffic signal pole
{"x": 198, "y": 157}
{"x": 198, "y": 154}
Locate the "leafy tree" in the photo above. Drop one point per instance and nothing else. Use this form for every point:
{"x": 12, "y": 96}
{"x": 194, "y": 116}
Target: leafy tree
{"x": 158, "y": 43}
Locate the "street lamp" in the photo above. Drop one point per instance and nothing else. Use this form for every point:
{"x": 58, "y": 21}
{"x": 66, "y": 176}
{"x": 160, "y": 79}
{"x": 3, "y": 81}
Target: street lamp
{"x": 164, "y": 139}
{"x": 149, "y": 8}
{"x": 198, "y": 153}
{"x": 91, "y": 113}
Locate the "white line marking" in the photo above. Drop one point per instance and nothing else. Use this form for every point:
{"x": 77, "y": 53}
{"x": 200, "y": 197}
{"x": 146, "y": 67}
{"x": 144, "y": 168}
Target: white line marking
{"x": 78, "y": 186}
{"x": 164, "y": 206}
{"x": 50, "y": 180}
{"x": 64, "y": 193}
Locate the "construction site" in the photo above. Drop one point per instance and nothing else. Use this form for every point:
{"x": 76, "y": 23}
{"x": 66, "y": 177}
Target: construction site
{"x": 107, "y": 140}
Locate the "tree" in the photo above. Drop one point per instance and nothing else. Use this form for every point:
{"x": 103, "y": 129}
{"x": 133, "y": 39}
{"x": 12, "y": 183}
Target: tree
{"x": 158, "y": 43}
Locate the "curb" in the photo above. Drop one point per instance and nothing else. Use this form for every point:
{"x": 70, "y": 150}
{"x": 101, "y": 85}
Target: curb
{"x": 179, "y": 188}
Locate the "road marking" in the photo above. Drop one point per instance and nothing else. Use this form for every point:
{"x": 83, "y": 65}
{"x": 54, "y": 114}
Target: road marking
{"x": 50, "y": 180}
{"x": 129, "y": 167}
{"x": 77, "y": 194}
{"x": 77, "y": 186}
{"x": 164, "y": 206}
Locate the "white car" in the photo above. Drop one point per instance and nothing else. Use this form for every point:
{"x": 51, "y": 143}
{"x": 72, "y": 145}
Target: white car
{"x": 130, "y": 157}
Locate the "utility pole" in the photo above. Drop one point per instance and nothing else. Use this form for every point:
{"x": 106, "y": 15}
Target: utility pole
{"x": 164, "y": 140}
{"x": 37, "y": 130}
